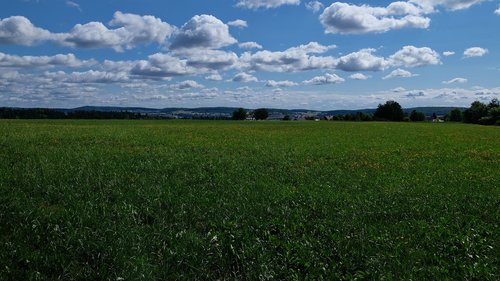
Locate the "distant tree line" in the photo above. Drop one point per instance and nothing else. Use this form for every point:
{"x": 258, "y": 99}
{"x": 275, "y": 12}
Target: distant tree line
{"x": 477, "y": 113}
{"x": 358, "y": 116}
{"x": 480, "y": 113}
{"x": 257, "y": 114}
{"x": 45, "y": 113}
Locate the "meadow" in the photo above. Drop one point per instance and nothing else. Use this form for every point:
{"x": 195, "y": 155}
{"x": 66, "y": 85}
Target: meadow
{"x": 228, "y": 200}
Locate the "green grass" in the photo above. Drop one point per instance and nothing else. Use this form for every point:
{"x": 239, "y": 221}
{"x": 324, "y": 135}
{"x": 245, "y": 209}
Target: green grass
{"x": 187, "y": 200}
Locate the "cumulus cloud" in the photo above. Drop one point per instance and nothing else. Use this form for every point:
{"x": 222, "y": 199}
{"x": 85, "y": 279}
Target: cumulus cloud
{"x": 294, "y": 59}
{"x": 275, "y": 84}
{"x": 302, "y": 58}
{"x": 475, "y": 52}
{"x": 359, "y": 76}
{"x": 187, "y": 85}
{"x": 61, "y": 60}
{"x": 161, "y": 66}
{"x": 142, "y": 29}
{"x": 94, "y": 35}
{"x": 20, "y": 31}
{"x": 347, "y": 18}
{"x": 398, "y": 90}
{"x": 238, "y": 23}
{"x": 457, "y": 80}
{"x": 208, "y": 59}
{"x": 131, "y": 30}
{"x": 415, "y": 94}
{"x": 314, "y": 6}
{"x": 9, "y": 74}
{"x": 87, "y": 77}
{"x": 244, "y": 77}
{"x": 448, "y": 53}
{"x": 325, "y": 79}
{"x": 411, "y": 56}
{"x": 250, "y": 45}
{"x": 73, "y": 5}
{"x": 429, "y": 5}
{"x": 214, "y": 77}
{"x": 399, "y": 73}
{"x": 497, "y": 11}
{"x": 312, "y": 48}
{"x": 203, "y": 31}
{"x": 362, "y": 60}
{"x": 256, "y": 4}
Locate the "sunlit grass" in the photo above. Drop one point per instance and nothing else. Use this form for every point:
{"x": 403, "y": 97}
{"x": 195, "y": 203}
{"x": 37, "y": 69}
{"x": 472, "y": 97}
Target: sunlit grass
{"x": 94, "y": 200}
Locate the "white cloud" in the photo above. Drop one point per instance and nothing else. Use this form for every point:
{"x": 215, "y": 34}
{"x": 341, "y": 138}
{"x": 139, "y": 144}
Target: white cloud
{"x": 475, "y": 52}
{"x": 86, "y": 77}
{"x": 346, "y": 18}
{"x": 448, "y": 53}
{"x": 291, "y": 60}
{"x": 359, "y": 76}
{"x": 250, "y": 45}
{"x": 244, "y": 77}
{"x": 399, "y": 73}
{"x": 94, "y": 35}
{"x": 203, "y": 31}
{"x": 256, "y": 4}
{"x": 497, "y": 11}
{"x": 314, "y": 6}
{"x": 161, "y": 66}
{"x": 457, "y": 80}
{"x": 187, "y": 85}
{"x": 19, "y": 30}
{"x": 238, "y": 23}
{"x": 417, "y": 94}
{"x": 73, "y": 5}
{"x": 429, "y": 5}
{"x": 214, "y": 77}
{"x": 208, "y": 59}
{"x": 411, "y": 56}
{"x": 325, "y": 79}
{"x": 131, "y": 31}
{"x": 363, "y": 60}
{"x": 60, "y": 60}
{"x": 398, "y": 90}
{"x": 275, "y": 84}
{"x": 118, "y": 66}
{"x": 9, "y": 74}
{"x": 142, "y": 29}
{"x": 300, "y": 58}
{"x": 312, "y": 48}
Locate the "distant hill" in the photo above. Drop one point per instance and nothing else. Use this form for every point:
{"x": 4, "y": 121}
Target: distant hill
{"x": 225, "y": 112}
{"x": 428, "y": 111}
{"x": 114, "y": 109}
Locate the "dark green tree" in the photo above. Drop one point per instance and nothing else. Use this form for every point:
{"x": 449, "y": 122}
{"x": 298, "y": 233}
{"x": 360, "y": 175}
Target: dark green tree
{"x": 260, "y": 114}
{"x": 240, "y": 114}
{"x": 493, "y": 116}
{"x": 455, "y": 115}
{"x": 494, "y": 103}
{"x": 417, "y": 116}
{"x": 286, "y": 118}
{"x": 494, "y": 113}
{"x": 390, "y": 111}
{"x": 475, "y": 112}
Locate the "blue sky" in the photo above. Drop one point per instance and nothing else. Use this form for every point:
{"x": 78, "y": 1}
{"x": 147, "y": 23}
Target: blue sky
{"x": 250, "y": 53}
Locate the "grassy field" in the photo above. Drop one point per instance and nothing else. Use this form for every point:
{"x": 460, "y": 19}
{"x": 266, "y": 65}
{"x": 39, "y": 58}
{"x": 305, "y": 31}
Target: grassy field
{"x": 187, "y": 200}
